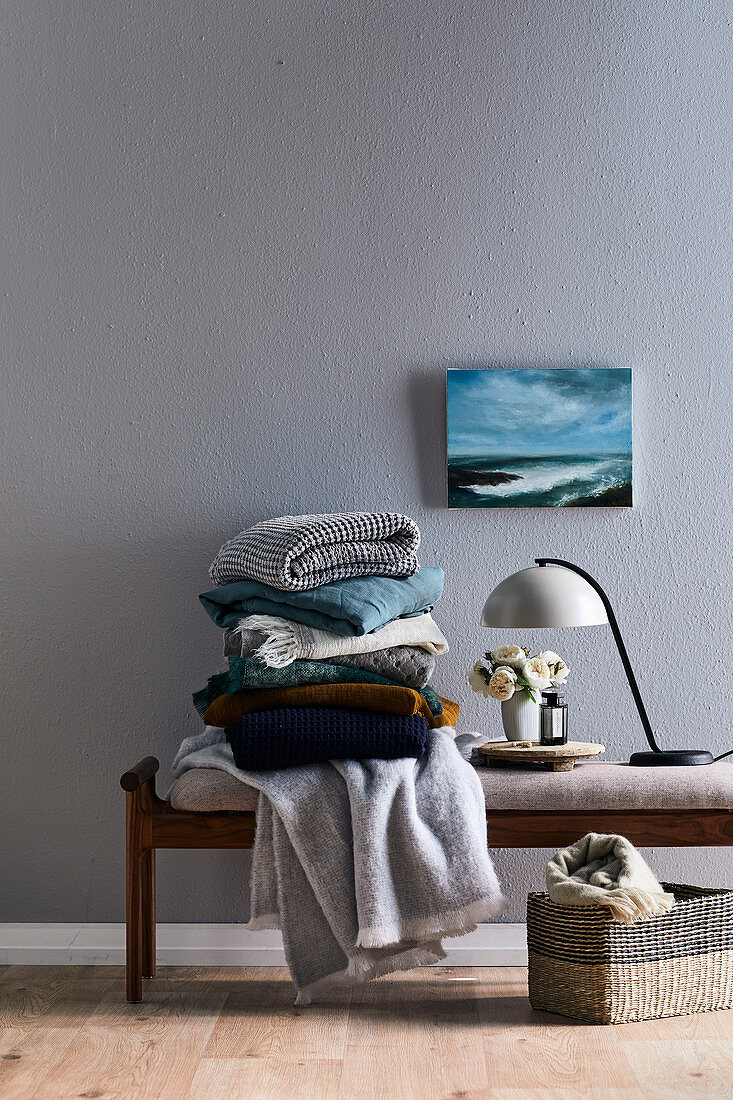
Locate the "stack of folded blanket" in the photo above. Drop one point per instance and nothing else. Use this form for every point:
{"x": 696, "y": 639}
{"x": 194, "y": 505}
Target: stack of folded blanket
{"x": 371, "y": 830}
{"x": 329, "y": 641}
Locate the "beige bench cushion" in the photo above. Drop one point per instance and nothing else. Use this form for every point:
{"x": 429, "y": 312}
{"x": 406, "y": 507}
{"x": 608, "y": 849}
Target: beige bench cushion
{"x": 208, "y": 789}
{"x": 589, "y": 786}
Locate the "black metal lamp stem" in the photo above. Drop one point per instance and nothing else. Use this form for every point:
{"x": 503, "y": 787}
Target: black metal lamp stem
{"x": 619, "y": 644}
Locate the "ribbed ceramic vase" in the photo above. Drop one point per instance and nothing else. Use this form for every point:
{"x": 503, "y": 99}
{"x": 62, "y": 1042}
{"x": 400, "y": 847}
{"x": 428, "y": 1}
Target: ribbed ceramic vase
{"x": 521, "y": 718}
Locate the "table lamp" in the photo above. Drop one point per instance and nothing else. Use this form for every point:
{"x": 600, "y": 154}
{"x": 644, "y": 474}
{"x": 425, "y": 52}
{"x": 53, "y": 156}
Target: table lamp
{"x": 543, "y": 596}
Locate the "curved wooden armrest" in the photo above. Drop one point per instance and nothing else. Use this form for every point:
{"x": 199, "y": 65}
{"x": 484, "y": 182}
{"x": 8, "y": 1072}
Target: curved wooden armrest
{"x": 143, "y": 771}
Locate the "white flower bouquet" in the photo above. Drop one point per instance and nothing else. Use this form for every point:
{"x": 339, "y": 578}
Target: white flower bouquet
{"x": 510, "y": 669}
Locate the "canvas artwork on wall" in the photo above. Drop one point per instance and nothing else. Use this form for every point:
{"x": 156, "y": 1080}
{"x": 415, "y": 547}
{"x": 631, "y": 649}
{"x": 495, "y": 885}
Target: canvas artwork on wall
{"x": 539, "y": 438}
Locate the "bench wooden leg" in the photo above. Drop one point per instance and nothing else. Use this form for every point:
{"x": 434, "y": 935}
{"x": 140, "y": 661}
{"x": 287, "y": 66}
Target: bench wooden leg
{"x": 148, "y": 913}
{"x": 134, "y": 898}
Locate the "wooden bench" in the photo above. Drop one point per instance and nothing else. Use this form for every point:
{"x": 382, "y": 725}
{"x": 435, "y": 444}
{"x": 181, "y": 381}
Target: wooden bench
{"x": 672, "y": 807}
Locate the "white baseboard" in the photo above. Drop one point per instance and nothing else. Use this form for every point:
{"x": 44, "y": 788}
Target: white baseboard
{"x": 220, "y": 945}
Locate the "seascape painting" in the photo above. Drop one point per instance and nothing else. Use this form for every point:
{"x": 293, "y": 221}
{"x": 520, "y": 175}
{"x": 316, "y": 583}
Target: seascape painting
{"x": 558, "y": 438}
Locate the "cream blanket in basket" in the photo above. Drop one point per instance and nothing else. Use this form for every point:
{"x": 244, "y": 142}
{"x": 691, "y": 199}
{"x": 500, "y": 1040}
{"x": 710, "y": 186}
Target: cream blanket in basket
{"x": 603, "y": 869}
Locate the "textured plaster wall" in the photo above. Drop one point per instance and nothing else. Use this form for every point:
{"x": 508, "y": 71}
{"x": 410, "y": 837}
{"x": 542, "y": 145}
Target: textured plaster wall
{"x": 241, "y": 245}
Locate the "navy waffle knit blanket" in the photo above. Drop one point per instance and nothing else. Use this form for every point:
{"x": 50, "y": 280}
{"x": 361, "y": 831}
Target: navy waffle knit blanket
{"x": 289, "y": 736}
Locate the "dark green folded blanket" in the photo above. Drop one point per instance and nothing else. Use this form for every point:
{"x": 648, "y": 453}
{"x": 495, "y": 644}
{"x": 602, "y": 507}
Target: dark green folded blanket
{"x": 247, "y": 673}
{"x": 358, "y": 605}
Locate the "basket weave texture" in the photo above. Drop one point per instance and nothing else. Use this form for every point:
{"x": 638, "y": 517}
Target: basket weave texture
{"x": 584, "y": 964}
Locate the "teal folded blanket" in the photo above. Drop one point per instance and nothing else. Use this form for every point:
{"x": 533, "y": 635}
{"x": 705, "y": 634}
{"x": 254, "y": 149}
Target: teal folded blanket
{"x": 358, "y": 605}
{"x": 247, "y": 673}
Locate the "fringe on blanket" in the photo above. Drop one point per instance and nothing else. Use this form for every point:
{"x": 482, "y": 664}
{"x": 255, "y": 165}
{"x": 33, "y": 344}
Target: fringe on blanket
{"x": 629, "y": 904}
{"x": 457, "y": 922}
{"x": 280, "y": 647}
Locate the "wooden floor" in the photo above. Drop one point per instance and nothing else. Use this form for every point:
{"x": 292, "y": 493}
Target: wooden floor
{"x": 453, "y": 1033}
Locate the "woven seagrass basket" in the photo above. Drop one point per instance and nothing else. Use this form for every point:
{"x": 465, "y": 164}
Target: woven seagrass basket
{"x": 584, "y": 964}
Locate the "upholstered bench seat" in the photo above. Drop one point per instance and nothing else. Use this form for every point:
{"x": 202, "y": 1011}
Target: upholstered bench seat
{"x": 589, "y": 786}
{"x": 525, "y": 808}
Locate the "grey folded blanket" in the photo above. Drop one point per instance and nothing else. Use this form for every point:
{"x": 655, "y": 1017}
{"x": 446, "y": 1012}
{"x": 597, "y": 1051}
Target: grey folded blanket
{"x": 298, "y": 552}
{"x": 364, "y": 865}
{"x": 605, "y": 869}
{"x": 405, "y": 664}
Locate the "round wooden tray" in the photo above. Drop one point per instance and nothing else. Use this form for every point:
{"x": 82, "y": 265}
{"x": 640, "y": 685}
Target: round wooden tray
{"x": 559, "y": 758}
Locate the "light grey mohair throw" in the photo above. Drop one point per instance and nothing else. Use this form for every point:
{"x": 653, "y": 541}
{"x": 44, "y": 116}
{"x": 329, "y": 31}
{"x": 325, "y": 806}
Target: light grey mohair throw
{"x": 364, "y": 865}
{"x": 286, "y": 641}
{"x": 605, "y": 869}
{"x": 297, "y": 552}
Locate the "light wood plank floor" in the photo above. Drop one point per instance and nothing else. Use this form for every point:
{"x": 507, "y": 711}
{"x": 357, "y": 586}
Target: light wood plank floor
{"x": 226, "y": 1034}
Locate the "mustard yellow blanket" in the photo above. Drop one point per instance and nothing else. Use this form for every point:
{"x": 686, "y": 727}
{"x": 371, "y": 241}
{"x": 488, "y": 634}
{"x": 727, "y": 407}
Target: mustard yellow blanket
{"x": 226, "y": 709}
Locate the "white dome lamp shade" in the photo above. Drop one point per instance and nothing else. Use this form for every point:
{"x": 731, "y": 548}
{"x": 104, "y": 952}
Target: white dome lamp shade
{"x": 542, "y": 597}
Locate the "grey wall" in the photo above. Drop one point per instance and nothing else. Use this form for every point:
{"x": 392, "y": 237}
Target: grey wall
{"x": 241, "y": 245}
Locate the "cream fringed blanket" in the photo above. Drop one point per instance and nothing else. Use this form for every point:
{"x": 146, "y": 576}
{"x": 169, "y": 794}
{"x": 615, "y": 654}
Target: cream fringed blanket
{"x": 601, "y": 869}
{"x": 287, "y": 641}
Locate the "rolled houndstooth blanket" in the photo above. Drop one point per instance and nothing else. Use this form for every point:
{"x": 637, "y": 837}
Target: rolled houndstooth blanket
{"x": 293, "y": 553}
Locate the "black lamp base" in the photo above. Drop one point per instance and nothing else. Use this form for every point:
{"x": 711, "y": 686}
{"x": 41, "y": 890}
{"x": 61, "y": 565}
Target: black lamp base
{"x": 682, "y": 758}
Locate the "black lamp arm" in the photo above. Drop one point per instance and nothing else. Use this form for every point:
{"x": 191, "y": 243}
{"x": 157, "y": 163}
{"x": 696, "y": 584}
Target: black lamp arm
{"x": 619, "y": 644}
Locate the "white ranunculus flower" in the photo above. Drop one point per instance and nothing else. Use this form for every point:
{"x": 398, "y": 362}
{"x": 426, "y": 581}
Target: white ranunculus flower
{"x": 509, "y": 655}
{"x": 502, "y": 684}
{"x": 536, "y": 672}
{"x": 478, "y": 684}
{"x": 551, "y": 657}
{"x": 561, "y": 675}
